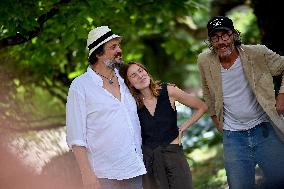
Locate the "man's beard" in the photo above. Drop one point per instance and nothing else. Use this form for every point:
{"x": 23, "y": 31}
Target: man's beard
{"x": 230, "y": 49}
{"x": 111, "y": 64}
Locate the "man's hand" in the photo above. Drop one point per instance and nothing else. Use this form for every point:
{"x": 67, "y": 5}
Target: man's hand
{"x": 90, "y": 181}
{"x": 280, "y": 103}
{"x": 217, "y": 123}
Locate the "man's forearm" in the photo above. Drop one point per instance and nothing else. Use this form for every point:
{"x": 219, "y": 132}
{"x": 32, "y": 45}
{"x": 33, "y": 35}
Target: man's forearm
{"x": 80, "y": 153}
{"x": 89, "y": 178}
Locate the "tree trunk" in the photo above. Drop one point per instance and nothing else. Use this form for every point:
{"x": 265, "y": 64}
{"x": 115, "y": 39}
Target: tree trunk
{"x": 269, "y": 23}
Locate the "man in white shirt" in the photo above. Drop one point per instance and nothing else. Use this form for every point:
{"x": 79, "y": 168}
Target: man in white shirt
{"x": 103, "y": 128}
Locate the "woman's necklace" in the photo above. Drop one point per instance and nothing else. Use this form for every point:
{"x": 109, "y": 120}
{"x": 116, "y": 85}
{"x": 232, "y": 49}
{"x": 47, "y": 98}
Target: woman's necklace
{"x": 150, "y": 98}
{"x": 110, "y": 81}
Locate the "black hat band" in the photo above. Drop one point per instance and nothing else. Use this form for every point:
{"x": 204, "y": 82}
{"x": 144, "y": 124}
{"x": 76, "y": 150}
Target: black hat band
{"x": 100, "y": 39}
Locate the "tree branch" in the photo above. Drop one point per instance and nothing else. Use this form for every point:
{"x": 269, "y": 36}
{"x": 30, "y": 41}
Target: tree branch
{"x": 20, "y": 38}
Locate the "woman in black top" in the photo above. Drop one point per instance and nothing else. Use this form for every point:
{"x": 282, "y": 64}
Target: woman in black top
{"x": 163, "y": 156}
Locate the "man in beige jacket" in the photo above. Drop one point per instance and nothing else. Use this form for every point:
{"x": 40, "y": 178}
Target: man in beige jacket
{"x": 238, "y": 89}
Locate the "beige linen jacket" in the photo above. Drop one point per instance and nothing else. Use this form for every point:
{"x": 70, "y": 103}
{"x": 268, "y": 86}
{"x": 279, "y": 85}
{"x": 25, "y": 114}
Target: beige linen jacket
{"x": 259, "y": 64}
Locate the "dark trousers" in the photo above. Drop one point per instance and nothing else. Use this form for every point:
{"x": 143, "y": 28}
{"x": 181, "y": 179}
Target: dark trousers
{"x": 167, "y": 168}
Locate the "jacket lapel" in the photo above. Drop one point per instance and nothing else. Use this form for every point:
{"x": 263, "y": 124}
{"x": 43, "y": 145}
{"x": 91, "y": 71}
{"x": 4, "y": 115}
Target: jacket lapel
{"x": 248, "y": 68}
{"x": 215, "y": 70}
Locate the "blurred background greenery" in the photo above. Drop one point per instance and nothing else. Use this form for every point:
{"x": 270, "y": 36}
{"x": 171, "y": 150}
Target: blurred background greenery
{"x": 43, "y": 48}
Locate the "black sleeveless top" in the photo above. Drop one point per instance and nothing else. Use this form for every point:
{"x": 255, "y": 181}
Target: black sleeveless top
{"x": 160, "y": 129}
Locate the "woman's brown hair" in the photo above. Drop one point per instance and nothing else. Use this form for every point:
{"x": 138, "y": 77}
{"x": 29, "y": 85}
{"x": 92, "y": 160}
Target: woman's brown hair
{"x": 154, "y": 85}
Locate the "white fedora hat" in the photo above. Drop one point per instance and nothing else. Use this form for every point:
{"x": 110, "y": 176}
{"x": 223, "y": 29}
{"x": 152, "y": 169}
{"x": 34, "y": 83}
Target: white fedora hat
{"x": 99, "y": 36}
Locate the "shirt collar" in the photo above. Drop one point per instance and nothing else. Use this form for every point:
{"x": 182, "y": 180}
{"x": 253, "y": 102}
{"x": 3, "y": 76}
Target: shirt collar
{"x": 98, "y": 80}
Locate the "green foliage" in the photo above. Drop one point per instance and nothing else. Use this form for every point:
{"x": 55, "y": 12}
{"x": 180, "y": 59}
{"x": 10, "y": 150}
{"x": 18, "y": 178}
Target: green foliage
{"x": 201, "y": 134}
{"x": 151, "y": 30}
{"x": 207, "y": 167}
{"x": 245, "y": 22}
{"x": 61, "y": 46}
{"x": 32, "y": 107}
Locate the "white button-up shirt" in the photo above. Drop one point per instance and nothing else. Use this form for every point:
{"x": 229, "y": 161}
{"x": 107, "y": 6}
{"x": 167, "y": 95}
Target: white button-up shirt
{"x": 108, "y": 128}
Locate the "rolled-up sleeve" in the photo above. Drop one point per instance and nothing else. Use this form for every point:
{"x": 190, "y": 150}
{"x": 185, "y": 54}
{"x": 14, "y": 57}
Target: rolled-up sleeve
{"x": 75, "y": 119}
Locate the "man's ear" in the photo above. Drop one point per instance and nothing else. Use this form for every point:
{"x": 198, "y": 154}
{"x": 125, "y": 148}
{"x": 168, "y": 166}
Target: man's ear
{"x": 235, "y": 35}
{"x": 99, "y": 55}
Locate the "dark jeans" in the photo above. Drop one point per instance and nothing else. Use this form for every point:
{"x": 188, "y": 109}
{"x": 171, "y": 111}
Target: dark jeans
{"x": 167, "y": 168}
{"x": 243, "y": 150}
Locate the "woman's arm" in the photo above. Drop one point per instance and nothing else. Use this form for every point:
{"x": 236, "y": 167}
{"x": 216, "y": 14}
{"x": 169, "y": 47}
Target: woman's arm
{"x": 182, "y": 97}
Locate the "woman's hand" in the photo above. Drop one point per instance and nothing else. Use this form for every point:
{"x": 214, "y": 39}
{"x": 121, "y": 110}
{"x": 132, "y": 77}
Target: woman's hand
{"x": 181, "y": 132}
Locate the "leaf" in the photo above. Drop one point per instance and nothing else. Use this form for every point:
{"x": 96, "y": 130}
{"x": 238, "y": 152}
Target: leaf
{"x": 68, "y": 39}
